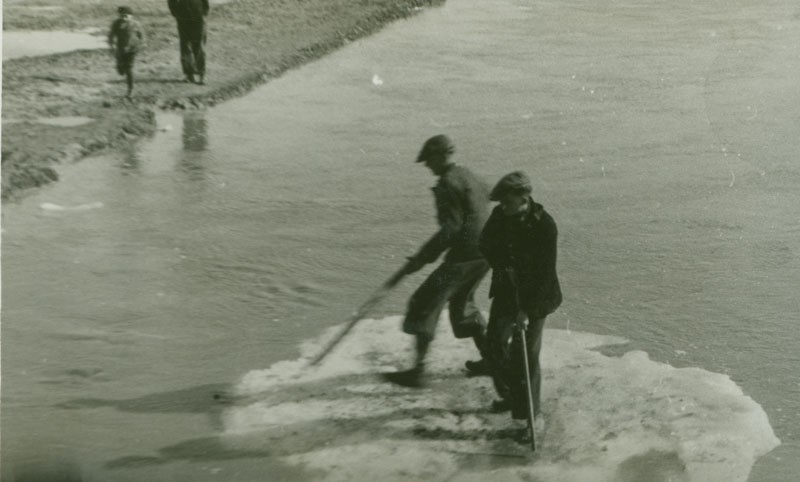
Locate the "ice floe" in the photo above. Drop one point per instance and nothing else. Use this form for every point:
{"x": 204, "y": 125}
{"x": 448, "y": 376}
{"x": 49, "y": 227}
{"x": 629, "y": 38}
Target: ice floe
{"x": 608, "y": 418}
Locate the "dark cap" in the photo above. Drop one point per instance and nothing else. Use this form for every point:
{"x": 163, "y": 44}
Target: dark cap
{"x": 125, "y": 10}
{"x": 515, "y": 182}
{"x": 440, "y": 144}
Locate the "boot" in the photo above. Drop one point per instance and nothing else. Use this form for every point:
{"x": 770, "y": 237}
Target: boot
{"x": 477, "y": 368}
{"x": 413, "y": 378}
{"x": 523, "y": 436}
{"x": 500, "y": 406}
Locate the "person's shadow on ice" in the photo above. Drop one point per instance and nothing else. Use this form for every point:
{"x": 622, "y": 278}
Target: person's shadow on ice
{"x": 276, "y": 440}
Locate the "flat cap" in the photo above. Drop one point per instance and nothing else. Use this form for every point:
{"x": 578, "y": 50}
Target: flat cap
{"x": 516, "y": 182}
{"x": 439, "y": 144}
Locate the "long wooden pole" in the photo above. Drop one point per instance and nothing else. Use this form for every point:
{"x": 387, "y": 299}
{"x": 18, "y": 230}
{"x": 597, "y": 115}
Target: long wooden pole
{"x": 524, "y": 342}
{"x": 521, "y": 333}
{"x": 360, "y": 313}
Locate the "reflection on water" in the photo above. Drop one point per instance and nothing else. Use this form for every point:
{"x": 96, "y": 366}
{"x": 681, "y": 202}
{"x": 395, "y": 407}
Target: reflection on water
{"x": 131, "y": 158}
{"x": 195, "y": 131}
{"x": 195, "y": 139}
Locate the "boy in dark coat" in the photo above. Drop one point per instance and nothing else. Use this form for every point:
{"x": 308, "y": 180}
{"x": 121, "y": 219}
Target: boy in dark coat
{"x": 462, "y": 206}
{"x": 520, "y": 243}
{"x": 125, "y": 38}
{"x": 190, "y": 16}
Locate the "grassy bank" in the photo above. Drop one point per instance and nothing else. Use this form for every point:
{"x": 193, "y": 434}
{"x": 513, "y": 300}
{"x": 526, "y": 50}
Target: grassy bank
{"x": 249, "y": 43}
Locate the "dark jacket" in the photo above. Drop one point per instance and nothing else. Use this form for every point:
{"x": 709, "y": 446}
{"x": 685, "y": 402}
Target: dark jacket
{"x": 462, "y": 206}
{"x": 190, "y": 9}
{"x": 125, "y": 36}
{"x": 528, "y": 245}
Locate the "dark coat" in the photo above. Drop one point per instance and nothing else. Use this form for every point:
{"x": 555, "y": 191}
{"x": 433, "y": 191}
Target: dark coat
{"x": 462, "y": 206}
{"x": 125, "y": 36}
{"x": 528, "y": 245}
{"x": 190, "y": 9}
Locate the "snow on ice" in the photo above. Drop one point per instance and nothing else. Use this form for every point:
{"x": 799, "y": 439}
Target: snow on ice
{"x": 608, "y": 418}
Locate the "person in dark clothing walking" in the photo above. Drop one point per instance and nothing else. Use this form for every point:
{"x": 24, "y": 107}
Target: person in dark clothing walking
{"x": 125, "y": 38}
{"x": 462, "y": 206}
{"x": 520, "y": 243}
{"x": 191, "y": 18}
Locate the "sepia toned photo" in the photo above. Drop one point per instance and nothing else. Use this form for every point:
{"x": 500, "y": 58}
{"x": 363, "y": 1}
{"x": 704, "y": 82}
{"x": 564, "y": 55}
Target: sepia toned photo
{"x": 400, "y": 240}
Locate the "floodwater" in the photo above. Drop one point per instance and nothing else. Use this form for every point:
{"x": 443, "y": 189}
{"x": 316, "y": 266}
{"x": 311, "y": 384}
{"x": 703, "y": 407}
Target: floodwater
{"x": 32, "y": 43}
{"x": 65, "y": 121}
{"x": 661, "y": 136}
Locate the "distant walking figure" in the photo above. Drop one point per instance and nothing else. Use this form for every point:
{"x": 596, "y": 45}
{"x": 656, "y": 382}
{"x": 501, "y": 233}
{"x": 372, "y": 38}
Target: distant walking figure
{"x": 125, "y": 38}
{"x": 190, "y": 16}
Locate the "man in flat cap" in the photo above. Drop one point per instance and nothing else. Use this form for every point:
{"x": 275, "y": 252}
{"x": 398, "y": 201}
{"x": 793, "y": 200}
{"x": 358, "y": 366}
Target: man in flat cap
{"x": 462, "y": 206}
{"x": 519, "y": 241}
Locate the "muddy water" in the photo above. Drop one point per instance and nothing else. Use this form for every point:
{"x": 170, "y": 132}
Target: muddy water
{"x": 661, "y": 137}
{"x": 33, "y": 43}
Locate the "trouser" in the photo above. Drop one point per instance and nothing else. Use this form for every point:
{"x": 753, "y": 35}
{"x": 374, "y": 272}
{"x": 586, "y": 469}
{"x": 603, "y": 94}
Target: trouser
{"x": 506, "y": 358}
{"x": 454, "y": 284}
{"x": 125, "y": 62}
{"x": 192, "y": 37}
{"x": 125, "y": 67}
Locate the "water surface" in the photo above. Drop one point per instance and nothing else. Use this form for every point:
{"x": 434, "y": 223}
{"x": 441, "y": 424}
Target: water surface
{"x": 661, "y": 137}
{"x": 31, "y": 43}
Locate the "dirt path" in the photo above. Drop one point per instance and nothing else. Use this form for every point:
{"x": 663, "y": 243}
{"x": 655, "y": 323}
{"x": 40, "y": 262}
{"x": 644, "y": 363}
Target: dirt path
{"x": 249, "y": 43}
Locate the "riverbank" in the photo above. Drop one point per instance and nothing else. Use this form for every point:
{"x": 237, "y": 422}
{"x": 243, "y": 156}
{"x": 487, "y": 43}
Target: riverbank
{"x": 249, "y": 43}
